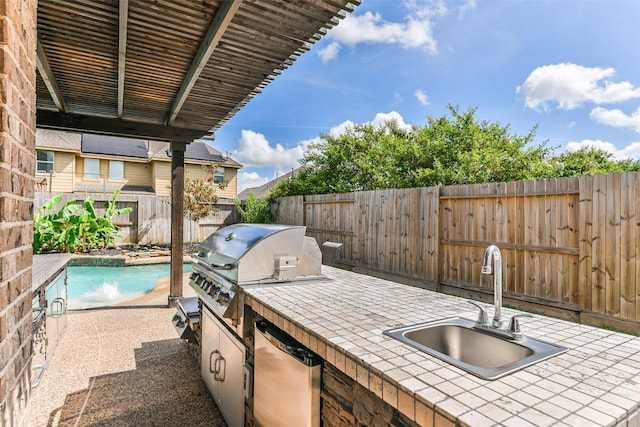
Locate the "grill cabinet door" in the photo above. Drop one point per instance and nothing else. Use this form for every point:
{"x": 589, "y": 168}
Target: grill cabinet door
{"x": 222, "y": 369}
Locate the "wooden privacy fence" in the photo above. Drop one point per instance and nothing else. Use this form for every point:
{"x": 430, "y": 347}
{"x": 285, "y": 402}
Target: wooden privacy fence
{"x": 150, "y": 220}
{"x": 569, "y": 246}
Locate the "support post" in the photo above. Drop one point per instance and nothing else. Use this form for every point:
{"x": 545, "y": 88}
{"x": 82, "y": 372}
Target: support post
{"x": 177, "y": 220}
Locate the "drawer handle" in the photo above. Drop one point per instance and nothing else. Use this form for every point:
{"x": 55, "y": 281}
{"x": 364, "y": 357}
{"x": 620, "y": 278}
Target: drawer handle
{"x": 220, "y": 365}
{"x": 59, "y": 304}
{"x": 212, "y": 367}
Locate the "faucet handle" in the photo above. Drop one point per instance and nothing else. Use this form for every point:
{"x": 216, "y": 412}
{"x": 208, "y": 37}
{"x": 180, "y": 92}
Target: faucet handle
{"x": 483, "y": 317}
{"x": 514, "y": 325}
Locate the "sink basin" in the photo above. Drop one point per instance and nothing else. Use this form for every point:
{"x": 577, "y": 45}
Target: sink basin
{"x": 488, "y": 356}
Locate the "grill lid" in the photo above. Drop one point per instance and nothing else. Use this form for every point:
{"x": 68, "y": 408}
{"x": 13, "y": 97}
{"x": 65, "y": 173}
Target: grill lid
{"x": 246, "y": 253}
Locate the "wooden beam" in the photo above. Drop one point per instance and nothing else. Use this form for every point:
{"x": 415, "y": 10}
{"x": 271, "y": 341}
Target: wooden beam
{"x": 115, "y": 127}
{"x": 219, "y": 24}
{"x": 42, "y": 63}
{"x": 122, "y": 52}
{"x": 177, "y": 221}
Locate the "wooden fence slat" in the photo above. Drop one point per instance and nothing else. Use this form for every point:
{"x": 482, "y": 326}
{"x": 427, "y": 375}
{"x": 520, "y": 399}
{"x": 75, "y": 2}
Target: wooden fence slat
{"x": 612, "y": 245}
{"x": 635, "y": 195}
{"x": 628, "y": 246}
{"x": 585, "y": 227}
{"x": 598, "y": 251}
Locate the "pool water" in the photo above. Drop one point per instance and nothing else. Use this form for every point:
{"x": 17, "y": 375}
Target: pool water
{"x": 91, "y": 287}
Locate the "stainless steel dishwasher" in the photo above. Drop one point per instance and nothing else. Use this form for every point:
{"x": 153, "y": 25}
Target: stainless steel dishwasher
{"x": 286, "y": 380}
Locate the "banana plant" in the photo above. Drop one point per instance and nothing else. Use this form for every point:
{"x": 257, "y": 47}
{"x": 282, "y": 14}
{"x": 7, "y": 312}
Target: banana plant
{"x": 75, "y": 227}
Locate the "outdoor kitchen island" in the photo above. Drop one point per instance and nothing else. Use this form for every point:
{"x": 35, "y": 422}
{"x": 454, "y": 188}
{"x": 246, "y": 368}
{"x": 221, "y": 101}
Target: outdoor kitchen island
{"x": 371, "y": 379}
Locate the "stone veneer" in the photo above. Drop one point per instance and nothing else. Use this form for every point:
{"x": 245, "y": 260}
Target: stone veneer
{"x": 17, "y": 167}
{"x": 347, "y": 403}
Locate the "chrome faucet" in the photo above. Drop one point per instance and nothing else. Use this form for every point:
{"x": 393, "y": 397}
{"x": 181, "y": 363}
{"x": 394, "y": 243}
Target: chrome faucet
{"x": 493, "y": 251}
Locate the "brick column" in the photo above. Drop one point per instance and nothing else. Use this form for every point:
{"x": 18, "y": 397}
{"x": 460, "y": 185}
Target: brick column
{"x": 17, "y": 167}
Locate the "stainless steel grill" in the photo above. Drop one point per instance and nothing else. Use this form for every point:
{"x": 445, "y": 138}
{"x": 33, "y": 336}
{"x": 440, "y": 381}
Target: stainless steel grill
{"x": 247, "y": 255}
{"x": 186, "y": 317}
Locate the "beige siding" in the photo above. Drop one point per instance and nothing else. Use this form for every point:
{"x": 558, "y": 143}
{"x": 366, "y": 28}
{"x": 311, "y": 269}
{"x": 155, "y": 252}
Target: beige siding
{"x": 194, "y": 171}
{"x": 231, "y": 178}
{"x": 63, "y": 173}
{"x": 162, "y": 178}
{"x": 138, "y": 173}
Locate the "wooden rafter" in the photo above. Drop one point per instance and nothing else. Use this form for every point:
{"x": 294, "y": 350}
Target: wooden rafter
{"x": 218, "y": 26}
{"x": 42, "y": 63}
{"x": 122, "y": 52}
{"x": 115, "y": 127}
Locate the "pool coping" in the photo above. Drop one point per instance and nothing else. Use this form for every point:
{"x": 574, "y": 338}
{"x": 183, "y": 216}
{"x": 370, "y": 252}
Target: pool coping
{"x": 119, "y": 260}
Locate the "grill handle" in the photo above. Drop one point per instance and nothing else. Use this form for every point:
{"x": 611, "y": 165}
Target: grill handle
{"x": 213, "y": 265}
{"x": 221, "y": 266}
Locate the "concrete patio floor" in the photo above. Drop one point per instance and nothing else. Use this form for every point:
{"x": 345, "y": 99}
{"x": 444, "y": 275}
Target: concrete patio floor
{"x": 124, "y": 366}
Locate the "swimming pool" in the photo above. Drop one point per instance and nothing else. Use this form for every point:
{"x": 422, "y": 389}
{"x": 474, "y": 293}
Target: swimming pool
{"x": 91, "y": 287}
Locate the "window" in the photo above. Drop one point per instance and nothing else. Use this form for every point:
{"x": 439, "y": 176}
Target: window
{"x": 91, "y": 169}
{"x": 44, "y": 161}
{"x": 116, "y": 170}
{"x": 218, "y": 176}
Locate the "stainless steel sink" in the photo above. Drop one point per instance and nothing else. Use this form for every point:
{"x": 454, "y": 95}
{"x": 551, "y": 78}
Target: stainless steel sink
{"x": 456, "y": 341}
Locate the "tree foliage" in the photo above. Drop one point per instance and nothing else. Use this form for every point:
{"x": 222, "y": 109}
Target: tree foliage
{"x": 75, "y": 228}
{"x": 590, "y": 161}
{"x": 255, "y": 210}
{"x": 200, "y": 195}
{"x": 449, "y": 150}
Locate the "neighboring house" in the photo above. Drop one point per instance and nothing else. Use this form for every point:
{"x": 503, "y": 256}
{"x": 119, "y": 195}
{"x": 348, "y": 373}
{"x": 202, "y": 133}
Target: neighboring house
{"x": 264, "y": 189}
{"x": 85, "y": 163}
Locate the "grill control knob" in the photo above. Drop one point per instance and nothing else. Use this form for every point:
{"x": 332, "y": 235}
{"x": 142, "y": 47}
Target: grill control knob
{"x": 223, "y": 298}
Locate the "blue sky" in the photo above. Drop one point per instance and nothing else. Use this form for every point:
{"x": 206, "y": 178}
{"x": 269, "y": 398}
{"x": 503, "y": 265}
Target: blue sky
{"x": 571, "y": 67}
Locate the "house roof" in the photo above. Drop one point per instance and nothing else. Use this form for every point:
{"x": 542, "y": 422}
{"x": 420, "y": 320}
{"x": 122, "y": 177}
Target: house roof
{"x": 140, "y": 149}
{"x": 114, "y": 146}
{"x": 171, "y": 70}
{"x": 262, "y": 190}
{"x": 58, "y": 140}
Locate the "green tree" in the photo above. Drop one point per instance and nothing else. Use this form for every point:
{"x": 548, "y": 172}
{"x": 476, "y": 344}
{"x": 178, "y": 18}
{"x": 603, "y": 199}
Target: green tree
{"x": 590, "y": 161}
{"x": 200, "y": 196}
{"x": 255, "y": 210}
{"x": 455, "y": 149}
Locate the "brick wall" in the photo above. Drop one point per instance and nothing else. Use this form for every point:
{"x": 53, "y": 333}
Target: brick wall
{"x": 17, "y": 166}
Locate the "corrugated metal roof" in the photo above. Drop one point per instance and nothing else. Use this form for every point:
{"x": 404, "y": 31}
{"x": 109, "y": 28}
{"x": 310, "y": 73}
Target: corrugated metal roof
{"x": 166, "y": 69}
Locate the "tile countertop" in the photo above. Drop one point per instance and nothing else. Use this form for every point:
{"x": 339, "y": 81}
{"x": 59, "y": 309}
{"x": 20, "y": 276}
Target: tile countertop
{"x": 595, "y": 383}
{"x": 46, "y": 267}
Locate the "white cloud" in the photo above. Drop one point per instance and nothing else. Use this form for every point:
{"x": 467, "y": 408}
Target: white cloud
{"x": 415, "y": 32}
{"x": 572, "y": 85}
{"x": 255, "y": 150}
{"x": 616, "y": 118}
{"x": 630, "y": 151}
{"x": 422, "y": 97}
{"x": 250, "y": 180}
{"x": 330, "y": 52}
{"x": 381, "y": 118}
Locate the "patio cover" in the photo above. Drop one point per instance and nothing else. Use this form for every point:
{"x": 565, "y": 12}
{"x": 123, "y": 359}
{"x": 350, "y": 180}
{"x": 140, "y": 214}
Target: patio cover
{"x": 173, "y": 70}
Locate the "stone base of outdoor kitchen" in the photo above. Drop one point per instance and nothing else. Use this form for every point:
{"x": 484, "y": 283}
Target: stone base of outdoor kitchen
{"x": 346, "y": 403}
